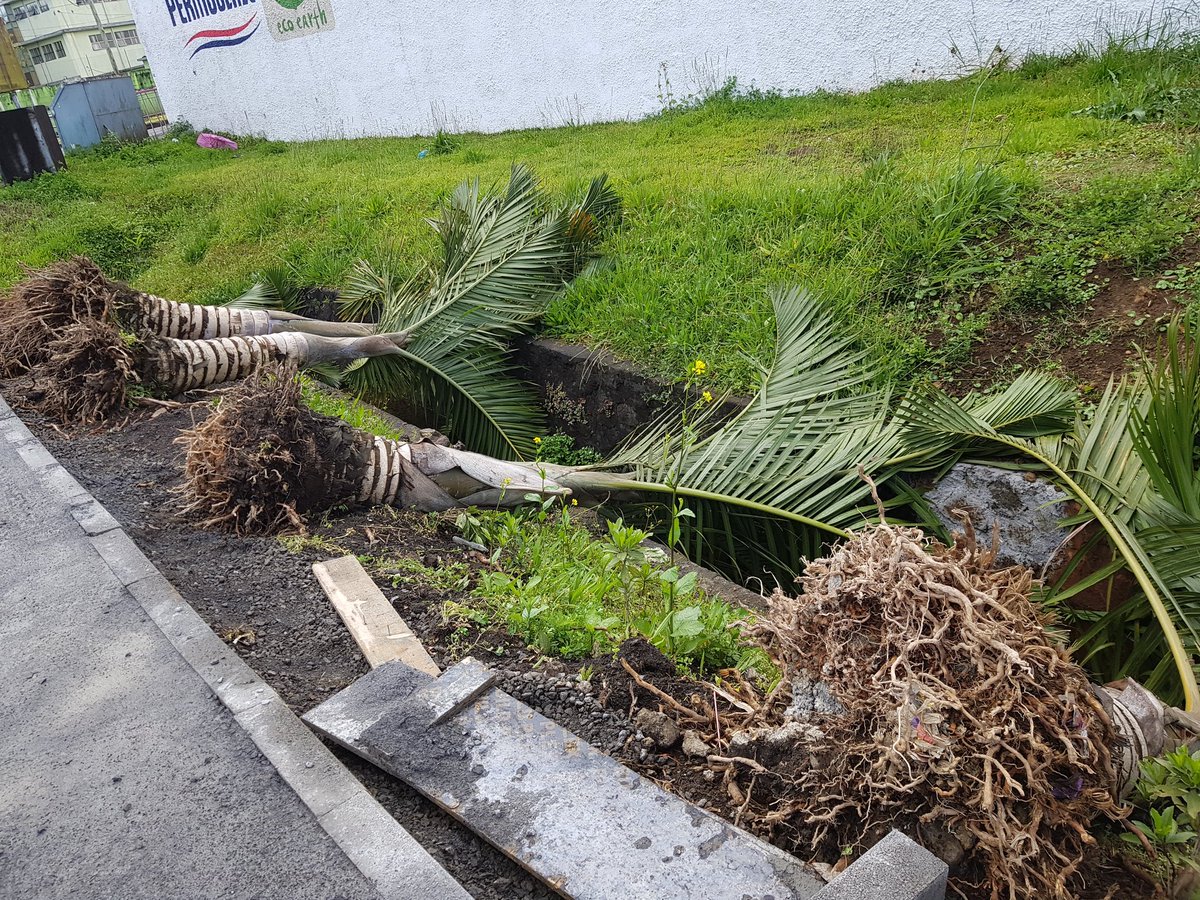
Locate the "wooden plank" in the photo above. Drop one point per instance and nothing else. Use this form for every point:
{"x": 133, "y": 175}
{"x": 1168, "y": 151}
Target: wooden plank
{"x": 577, "y": 819}
{"x": 377, "y": 628}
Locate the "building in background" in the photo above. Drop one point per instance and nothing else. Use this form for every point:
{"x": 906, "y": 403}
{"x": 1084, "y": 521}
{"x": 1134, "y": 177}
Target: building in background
{"x": 70, "y": 40}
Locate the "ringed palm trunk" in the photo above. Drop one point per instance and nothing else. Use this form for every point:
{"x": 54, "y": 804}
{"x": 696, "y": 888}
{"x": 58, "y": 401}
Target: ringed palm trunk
{"x": 185, "y": 365}
{"x": 170, "y": 319}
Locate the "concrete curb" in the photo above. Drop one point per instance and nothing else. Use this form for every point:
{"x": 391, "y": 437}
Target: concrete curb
{"x": 387, "y": 855}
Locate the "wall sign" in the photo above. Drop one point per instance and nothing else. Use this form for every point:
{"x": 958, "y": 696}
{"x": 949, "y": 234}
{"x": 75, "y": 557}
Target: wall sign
{"x": 286, "y": 20}
{"x": 291, "y": 19}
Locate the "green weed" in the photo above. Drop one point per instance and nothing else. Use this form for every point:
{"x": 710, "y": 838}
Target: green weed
{"x": 349, "y": 409}
{"x": 560, "y": 449}
{"x": 571, "y": 595}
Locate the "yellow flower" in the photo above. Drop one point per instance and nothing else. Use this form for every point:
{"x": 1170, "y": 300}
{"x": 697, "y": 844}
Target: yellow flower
{"x": 574, "y": 502}
{"x": 707, "y": 397}
{"x": 537, "y": 440}
{"x": 699, "y": 367}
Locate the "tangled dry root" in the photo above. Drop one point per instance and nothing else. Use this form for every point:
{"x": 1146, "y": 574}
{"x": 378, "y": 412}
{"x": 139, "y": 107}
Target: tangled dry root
{"x": 263, "y": 459}
{"x": 86, "y": 374}
{"x": 961, "y": 716}
{"x": 49, "y": 300}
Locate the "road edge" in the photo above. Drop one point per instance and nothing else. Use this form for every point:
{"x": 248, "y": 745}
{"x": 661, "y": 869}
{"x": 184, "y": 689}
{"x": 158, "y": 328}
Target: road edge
{"x": 395, "y": 863}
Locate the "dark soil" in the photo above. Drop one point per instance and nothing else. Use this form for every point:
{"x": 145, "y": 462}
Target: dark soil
{"x": 262, "y": 598}
{"x": 1087, "y": 345}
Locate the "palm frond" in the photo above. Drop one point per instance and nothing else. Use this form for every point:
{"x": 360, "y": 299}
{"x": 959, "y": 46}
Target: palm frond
{"x": 474, "y": 397}
{"x": 1165, "y": 427}
{"x": 598, "y": 209}
{"x": 933, "y": 418}
{"x": 504, "y": 254}
{"x": 777, "y": 482}
{"x": 273, "y": 288}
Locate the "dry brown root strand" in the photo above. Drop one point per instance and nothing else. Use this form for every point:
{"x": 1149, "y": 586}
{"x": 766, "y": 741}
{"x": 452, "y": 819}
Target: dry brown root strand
{"x": 961, "y": 715}
{"x": 86, "y": 375}
{"x": 37, "y": 309}
{"x": 263, "y": 459}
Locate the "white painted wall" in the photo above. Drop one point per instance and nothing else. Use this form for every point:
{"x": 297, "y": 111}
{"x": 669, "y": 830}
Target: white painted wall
{"x": 391, "y": 67}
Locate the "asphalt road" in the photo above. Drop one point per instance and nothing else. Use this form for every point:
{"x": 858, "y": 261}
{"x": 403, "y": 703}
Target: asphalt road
{"x": 121, "y": 774}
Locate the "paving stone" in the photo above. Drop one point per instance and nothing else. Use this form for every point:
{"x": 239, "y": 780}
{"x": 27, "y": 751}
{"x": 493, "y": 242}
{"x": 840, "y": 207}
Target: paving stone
{"x": 588, "y": 826}
{"x": 897, "y": 868}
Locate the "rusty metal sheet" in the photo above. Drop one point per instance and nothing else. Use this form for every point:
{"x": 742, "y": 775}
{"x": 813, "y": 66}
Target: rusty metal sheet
{"x": 577, "y": 819}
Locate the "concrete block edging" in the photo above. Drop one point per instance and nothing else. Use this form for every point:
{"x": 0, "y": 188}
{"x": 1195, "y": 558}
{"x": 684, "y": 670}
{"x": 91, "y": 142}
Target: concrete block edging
{"x": 386, "y": 854}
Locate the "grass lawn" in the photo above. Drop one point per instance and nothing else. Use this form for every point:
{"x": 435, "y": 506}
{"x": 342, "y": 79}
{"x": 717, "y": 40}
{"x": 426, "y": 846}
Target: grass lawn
{"x": 927, "y": 210}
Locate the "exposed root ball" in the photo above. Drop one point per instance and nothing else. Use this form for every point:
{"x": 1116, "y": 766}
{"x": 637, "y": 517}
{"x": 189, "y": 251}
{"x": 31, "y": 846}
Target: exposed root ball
{"x": 263, "y": 459}
{"x": 962, "y": 719}
{"x": 86, "y": 374}
{"x": 47, "y": 301}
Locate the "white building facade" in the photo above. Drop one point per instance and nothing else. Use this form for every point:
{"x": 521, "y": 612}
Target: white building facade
{"x": 301, "y": 69}
{"x": 69, "y": 40}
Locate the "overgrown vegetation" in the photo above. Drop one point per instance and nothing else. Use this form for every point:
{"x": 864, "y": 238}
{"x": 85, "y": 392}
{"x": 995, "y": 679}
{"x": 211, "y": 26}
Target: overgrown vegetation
{"x": 924, "y": 210}
{"x": 569, "y": 593}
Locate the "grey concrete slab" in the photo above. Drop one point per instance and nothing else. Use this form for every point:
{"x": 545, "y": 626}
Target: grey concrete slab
{"x": 93, "y": 518}
{"x": 897, "y": 868}
{"x": 122, "y": 774}
{"x": 578, "y": 819}
{"x": 122, "y": 556}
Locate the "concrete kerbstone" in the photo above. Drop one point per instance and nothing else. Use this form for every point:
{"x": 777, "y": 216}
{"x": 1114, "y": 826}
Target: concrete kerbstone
{"x": 897, "y": 868}
{"x": 63, "y": 485}
{"x": 306, "y": 764}
{"x": 93, "y": 518}
{"x": 222, "y": 669}
{"x": 37, "y": 457}
{"x": 387, "y": 854}
{"x": 121, "y": 554}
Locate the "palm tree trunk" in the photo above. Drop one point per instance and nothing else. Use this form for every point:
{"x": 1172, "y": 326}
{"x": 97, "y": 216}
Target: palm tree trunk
{"x": 433, "y": 478}
{"x": 186, "y": 321}
{"x": 184, "y": 365}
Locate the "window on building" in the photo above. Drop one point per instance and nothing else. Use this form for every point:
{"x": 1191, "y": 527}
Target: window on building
{"x": 29, "y": 9}
{"x": 58, "y": 45}
{"x": 35, "y": 54}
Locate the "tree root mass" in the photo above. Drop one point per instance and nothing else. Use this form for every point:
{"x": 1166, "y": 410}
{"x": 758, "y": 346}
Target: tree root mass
{"x": 963, "y": 723}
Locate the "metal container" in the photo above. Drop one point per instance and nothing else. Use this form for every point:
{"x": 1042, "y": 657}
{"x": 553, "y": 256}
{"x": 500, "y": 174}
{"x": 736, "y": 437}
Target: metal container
{"x": 28, "y": 144}
{"x": 86, "y": 111}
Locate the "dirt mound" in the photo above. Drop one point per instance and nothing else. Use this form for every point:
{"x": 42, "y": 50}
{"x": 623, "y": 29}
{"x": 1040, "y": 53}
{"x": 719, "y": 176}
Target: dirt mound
{"x": 956, "y": 717}
{"x": 36, "y": 312}
{"x": 263, "y": 459}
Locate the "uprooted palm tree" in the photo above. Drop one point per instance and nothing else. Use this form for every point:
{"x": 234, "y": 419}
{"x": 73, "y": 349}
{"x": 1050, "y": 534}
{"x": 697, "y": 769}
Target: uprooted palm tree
{"x": 961, "y": 715}
{"x": 504, "y": 255}
{"x": 772, "y": 487}
{"x": 86, "y": 340}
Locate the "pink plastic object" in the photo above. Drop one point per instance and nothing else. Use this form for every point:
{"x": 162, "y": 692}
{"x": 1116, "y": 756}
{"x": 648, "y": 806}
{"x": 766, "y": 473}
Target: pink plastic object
{"x": 215, "y": 142}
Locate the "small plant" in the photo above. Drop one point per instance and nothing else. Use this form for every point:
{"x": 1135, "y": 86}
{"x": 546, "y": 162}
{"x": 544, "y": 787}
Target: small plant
{"x": 1163, "y": 831}
{"x": 1174, "y": 779}
{"x": 569, "y": 594}
{"x": 560, "y": 449}
{"x": 444, "y": 143}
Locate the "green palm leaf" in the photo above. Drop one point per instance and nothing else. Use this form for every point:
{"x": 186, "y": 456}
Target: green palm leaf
{"x": 932, "y": 418}
{"x": 504, "y": 254}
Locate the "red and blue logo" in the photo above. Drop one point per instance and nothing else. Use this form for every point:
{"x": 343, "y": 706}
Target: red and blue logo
{"x": 189, "y": 12}
{"x": 214, "y": 38}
